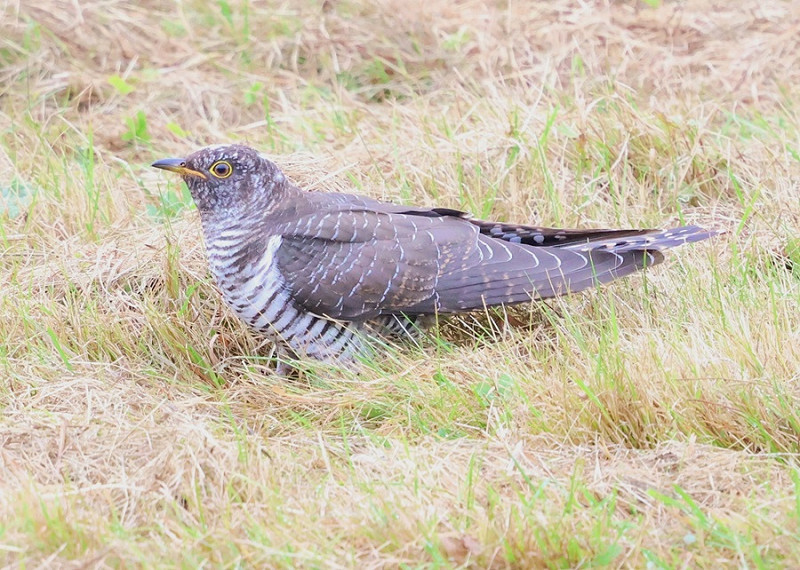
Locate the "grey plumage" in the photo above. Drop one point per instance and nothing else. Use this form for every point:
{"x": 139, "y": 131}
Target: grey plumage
{"x": 321, "y": 271}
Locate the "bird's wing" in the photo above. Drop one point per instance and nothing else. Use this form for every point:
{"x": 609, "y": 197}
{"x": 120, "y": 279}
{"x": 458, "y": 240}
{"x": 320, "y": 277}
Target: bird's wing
{"x": 508, "y": 273}
{"x": 358, "y": 263}
{"x": 355, "y": 263}
{"x": 509, "y": 270}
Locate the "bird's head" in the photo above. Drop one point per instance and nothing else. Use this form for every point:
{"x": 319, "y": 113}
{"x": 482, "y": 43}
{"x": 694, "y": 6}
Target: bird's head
{"x": 225, "y": 179}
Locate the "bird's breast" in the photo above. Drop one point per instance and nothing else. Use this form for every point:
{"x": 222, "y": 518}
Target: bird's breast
{"x": 251, "y": 284}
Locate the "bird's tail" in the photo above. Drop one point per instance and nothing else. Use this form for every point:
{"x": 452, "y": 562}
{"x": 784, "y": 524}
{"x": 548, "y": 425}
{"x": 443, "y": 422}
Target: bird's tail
{"x": 647, "y": 240}
{"x": 592, "y": 239}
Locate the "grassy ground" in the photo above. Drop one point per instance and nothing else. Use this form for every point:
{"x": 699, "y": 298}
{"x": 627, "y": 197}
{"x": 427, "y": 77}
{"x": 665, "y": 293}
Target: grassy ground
{"x": 651, "y": 424}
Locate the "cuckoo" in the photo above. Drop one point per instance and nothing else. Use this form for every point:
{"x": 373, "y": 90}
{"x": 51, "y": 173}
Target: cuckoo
{"x": 323, "y": 273}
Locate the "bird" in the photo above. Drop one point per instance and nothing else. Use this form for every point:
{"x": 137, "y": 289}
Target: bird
{"x": 323, "y": 273}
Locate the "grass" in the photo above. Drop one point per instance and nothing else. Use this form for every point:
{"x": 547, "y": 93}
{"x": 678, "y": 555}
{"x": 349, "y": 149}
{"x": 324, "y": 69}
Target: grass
{"x": 653, "y": 423}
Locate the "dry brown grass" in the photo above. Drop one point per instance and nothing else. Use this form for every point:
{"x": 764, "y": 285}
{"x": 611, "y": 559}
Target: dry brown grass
{"x": 652, "y": 423}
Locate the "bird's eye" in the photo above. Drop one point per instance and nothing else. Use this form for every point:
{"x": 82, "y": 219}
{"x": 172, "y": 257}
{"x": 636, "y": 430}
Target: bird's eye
{"x": 221, "y": 169}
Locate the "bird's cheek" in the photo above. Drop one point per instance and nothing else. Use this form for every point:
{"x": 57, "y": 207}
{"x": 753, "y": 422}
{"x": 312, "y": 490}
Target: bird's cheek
{"x": 202, "y": 196}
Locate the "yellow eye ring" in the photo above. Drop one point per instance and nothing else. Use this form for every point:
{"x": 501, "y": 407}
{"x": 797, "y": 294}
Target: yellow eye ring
{"x": 221, "y": 169}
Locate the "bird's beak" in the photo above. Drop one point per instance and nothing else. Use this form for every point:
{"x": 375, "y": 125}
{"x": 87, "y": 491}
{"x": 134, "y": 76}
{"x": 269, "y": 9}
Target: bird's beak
{"x": 177, "y": 165}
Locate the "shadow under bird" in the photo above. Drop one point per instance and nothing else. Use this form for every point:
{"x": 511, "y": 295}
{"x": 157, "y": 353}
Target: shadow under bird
{"x": 323, "y": 273}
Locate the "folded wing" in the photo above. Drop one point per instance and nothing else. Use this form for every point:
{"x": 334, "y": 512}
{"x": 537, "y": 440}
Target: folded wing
{"x": 356, "y": 263}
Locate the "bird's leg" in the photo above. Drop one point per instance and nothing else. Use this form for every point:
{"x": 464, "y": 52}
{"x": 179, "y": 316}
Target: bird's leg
{"x": 285, "y": 359}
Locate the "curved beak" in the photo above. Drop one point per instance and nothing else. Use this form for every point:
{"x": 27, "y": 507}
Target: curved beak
{"x": 177, "y": 165}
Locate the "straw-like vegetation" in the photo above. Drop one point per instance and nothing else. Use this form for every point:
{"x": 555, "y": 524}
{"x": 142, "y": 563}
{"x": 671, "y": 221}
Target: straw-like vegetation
{"x": 653, "y": 423}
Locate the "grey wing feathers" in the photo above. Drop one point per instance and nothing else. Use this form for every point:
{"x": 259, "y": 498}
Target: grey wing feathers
{"x": 510, "y": 273}
{"x": 514, "y": 272}
{"x": 356, "y": 262}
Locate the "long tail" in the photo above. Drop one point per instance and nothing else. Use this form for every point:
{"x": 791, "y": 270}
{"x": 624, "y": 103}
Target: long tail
{"x": 589, "y": 239}
{"x": 645, "y": 240}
